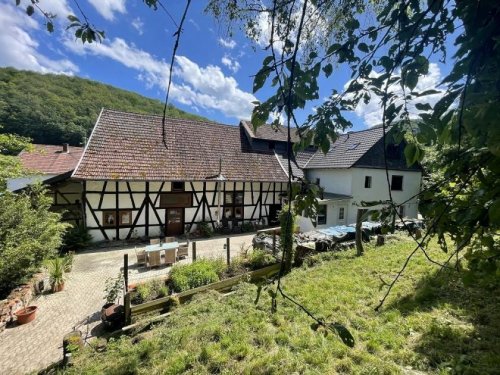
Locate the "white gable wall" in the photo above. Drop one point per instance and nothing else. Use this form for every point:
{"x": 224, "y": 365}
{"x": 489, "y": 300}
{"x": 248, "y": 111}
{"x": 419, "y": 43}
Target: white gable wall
{"x": 352, "y": 182}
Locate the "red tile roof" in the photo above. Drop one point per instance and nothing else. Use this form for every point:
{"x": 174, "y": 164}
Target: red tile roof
{"x": 129, "y": 146}
{"x": 49, "y": 159}
{"x": 270, "y": 133}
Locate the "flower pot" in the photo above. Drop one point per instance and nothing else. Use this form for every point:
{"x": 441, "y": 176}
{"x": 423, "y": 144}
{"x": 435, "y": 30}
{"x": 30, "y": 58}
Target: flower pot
{"x": 26, "y": 315}
{"x": 57, "y": 287}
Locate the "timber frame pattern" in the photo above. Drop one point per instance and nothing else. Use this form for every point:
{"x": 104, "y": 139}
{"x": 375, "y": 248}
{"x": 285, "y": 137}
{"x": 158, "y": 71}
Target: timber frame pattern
{"x": 142, "y": 199}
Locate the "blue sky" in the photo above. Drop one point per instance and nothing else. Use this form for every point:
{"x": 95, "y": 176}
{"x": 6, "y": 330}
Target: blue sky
{"x": 213, "y": 72}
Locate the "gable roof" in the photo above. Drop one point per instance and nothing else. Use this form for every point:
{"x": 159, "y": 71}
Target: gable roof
{"x": 361, "y": 149}
{"x": 270, "y": 133}
{"x": 129, "y": 146}
{"x": 346, "y": 150}
{"x": 49, "y": 159}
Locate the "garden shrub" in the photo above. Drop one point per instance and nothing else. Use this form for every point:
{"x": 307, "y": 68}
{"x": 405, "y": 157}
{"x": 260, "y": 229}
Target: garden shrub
{"x": 189, "y": 276}
{"x": 259, "y": 258}
{"x": 76, "y": 238}
{"x": 149, "y": 291}
{"x": 29, "y": 233}
{"x": 205, "y": 229}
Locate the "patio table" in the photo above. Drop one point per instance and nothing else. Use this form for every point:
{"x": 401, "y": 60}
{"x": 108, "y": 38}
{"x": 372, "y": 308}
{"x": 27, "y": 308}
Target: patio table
{"x": 163, "y": 246}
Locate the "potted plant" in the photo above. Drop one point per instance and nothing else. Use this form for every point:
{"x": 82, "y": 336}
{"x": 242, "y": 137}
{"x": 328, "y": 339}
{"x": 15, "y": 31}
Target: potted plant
{"x": 111, "y": 312}
{"x": 27, "y": 313}
{"x": 56, "y": 274}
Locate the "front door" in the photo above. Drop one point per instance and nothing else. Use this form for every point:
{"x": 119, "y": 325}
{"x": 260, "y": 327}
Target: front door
{"x": 175, "y": 221}
{"x": 341, "y": 218}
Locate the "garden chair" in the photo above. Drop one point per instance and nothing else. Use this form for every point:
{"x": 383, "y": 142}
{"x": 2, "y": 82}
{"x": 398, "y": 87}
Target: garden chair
{"x": 141, "y": 256}
{"x": 170, "y": 256}
{"x": 183, "y": 250}
{"x": 154, "y": 241}
{"x": 154, "y": 258}
{"x": 169, "y": 239}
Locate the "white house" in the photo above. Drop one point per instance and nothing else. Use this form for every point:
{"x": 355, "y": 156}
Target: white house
{"x": 353, "y": 171}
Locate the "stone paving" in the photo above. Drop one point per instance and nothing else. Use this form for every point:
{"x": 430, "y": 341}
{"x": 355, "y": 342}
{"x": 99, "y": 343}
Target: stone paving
{"x": 36, "y": 345}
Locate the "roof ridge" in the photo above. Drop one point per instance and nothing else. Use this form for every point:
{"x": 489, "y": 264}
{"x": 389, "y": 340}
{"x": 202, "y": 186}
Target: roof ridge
{"x": 210, "y": 122}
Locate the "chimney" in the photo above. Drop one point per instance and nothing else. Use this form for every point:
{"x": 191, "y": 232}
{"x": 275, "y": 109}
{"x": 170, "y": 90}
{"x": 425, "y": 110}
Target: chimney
{"x": 65, "y": 147}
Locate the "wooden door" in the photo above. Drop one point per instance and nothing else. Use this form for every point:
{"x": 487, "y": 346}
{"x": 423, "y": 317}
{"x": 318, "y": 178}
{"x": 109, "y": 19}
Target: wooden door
{"x": 175, "y": 221}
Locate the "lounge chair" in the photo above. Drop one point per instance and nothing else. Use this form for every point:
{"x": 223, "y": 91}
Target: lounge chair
{"x": 183, "y": 250}
{"x": 170, "y": 256}
{"x": 154, "y": 258}
{"x": 169, "y": 239}
{"x": 141, "y": 256}
{"x": 154, "y": 241}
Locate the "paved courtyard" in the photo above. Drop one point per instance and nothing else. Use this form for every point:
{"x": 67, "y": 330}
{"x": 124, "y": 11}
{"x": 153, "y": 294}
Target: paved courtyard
{"x": 36, "y": 345}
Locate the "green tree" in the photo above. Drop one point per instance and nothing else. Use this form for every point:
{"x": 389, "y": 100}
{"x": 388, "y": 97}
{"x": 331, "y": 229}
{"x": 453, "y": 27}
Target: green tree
{"x": 29, "y": 233}
{"x": 10, "y": 146}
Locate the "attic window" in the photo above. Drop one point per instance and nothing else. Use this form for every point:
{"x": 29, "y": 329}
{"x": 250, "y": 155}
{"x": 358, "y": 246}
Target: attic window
{"x": 177, "y": 185}
{"x": 353, "y": 146}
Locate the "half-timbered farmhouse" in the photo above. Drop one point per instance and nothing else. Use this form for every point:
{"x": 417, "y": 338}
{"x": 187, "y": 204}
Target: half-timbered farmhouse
{"x": 53, "y": 165}
{"x": 142, "y": 178}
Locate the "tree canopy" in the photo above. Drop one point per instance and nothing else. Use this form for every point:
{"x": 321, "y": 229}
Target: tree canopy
{"x": 56, "y": 109}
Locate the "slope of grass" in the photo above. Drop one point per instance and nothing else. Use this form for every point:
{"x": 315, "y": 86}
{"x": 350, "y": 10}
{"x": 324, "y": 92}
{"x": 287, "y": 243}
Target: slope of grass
{"x": 430, "y": 323}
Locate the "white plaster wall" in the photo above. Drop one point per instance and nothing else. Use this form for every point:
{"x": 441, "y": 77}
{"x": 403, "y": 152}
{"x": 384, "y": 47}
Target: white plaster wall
{"x": 332, "y": 180}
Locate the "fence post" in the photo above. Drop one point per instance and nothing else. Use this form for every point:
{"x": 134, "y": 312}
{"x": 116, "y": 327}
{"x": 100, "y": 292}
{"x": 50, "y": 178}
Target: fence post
{"x": 274, "y": 242}
{"x": 194, "y": 251}
{"x": 125, "y": 271}
{"x": 228, "y": 251}
{"x": 126, "y": 303}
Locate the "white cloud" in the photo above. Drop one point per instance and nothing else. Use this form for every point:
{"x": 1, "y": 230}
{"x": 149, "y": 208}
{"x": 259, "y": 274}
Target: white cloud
{"x": 138, "y": 25}
{"x": 372, "y": 112}
{"x": 193, "y": 22}
{"x": 227, "y": 43}
{"x": 202, "y": 87}
{"x": 19, "y": 47}
{"x": 231, "y": 63}
{"x": 108, "y": 8}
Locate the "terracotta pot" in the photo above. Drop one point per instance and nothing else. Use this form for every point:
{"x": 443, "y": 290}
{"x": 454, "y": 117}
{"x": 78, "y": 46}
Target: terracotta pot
{"x": 57, "y": 287}
{"x": 26, "y": 315}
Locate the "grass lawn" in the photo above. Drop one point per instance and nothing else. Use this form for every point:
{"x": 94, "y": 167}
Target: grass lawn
{"x": 430, "y": 323}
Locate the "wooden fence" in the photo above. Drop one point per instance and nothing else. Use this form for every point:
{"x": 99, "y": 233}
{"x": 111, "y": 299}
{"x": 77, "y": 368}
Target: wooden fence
{"x": 162, "y": 303}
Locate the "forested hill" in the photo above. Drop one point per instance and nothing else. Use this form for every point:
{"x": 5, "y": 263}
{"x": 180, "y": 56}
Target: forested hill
{"x": 54, "y": 109}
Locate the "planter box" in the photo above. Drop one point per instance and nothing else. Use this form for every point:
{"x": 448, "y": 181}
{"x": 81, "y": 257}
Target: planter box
{"x": 159, "y": 304}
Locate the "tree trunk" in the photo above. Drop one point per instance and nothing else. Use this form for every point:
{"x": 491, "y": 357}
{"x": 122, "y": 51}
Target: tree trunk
{"x": 359, "y": 233}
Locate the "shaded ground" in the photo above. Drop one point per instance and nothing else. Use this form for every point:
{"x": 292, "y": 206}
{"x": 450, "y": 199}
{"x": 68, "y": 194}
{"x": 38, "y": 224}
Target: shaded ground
{"x": 36, "y": 345}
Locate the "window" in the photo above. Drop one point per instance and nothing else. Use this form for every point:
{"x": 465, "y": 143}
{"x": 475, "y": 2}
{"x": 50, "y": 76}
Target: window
{"x": 321, "y": 214}
{"x": 178, "y": 186}
{"x": 402, "y": 210}
{"x": 353, "y": 146}
{"x": 341, "y": 213}
{"x": 233, "y": 205}
{"x": 368, "y": 182}
{"x": 318, "y": 181}
{"x": 109, "y": 218}
{"x": 176, "y": 200}
{"x": 397, "y": 182}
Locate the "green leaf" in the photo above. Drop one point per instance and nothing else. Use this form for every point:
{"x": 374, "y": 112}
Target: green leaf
{"x": 328, "y": 69}
{"x": 411, "y": 79}
{"x": 334, "y": 47}
{"x": 363, "y": 47}
{"x": 73, "y": 18}
{"x": 18, "y": 2}
{"x": 260, "y": 78}
{"x": 423, "y": 106}
{"x": 267, "y": 60}
{"x": 30, "y": 10}
{"x": 50, "y": 27}
{"x": 410, "y": 154}
{"x": 494, "y": 212}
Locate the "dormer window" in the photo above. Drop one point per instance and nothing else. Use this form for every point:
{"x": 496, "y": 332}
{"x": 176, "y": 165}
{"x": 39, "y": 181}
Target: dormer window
{"x": 353, "y": 146}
